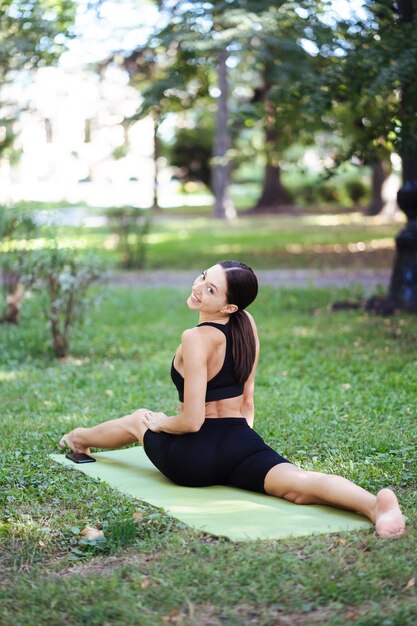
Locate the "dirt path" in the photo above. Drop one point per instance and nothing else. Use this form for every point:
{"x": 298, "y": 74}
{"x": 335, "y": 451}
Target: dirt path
{"x": 368, "y": 279}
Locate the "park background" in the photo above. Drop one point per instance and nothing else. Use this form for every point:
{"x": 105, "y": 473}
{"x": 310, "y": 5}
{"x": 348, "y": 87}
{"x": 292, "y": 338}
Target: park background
{"x": 141, "y": 142}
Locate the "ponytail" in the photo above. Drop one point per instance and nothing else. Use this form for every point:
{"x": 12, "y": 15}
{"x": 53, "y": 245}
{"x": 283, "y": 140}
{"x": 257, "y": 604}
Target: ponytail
{"x": 243, "y": 345}
{"x": 242, "y": 289}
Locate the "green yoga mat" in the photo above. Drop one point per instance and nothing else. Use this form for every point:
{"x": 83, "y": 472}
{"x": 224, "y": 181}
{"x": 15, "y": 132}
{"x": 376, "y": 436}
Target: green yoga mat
{"x": 223, "y": 511}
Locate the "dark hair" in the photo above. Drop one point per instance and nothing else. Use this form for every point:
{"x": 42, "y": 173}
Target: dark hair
{"x": 242, "y": 289}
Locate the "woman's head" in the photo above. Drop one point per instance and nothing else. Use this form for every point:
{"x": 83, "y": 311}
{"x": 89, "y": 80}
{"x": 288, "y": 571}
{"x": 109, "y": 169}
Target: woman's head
{"x": 223, "y": 291}
{"x": 224, "y": 288}
{"x": 242, "y": 284}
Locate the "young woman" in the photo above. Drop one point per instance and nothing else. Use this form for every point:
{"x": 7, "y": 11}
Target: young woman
{"x": 211, "y": 441}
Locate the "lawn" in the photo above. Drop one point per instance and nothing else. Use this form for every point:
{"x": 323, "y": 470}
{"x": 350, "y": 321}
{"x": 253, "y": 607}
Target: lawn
{"x": 316, "y": 241}
{"x": 335, "y": 392}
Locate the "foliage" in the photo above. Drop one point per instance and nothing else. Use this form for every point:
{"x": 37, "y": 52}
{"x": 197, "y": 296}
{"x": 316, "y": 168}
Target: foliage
{"x": 335, "y": 393}
{"x": 63, "y": 278}
{"x": 369, "y": 87}
{"x": 32, "y": 34}
{"x": 17, "y": 228}
{"x": 190, "y": 154}
{"x": 131, "y": 226}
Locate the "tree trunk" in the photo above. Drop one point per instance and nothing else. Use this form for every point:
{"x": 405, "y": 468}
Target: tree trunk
{"x": 223, "y": 206}
{"x": 14, "y": 304}
{"x": 59, "y": 342}
{"x": 156, "y": 153}
{"x": 378, "y": 177}
{"x": 273, "y": 195}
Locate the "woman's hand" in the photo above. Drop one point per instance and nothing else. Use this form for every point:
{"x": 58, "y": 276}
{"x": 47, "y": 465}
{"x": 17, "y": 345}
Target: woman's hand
{"x": 155, "y": 421}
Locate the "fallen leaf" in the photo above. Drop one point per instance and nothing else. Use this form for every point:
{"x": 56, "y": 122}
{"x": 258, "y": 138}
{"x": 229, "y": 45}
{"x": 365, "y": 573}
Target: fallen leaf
{"x": 171, "y": 618}
{"x": 410, "y": 583}
{"x": 110, "y": 393}
{"x": 145, "y": 583}
{"x": 91, "y": 533}
{"x": 137, "y": 515}
{"x": 346, "y": 386}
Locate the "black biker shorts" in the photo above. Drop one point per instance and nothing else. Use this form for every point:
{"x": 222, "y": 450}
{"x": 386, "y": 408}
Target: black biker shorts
{"x": 225, "y": 451}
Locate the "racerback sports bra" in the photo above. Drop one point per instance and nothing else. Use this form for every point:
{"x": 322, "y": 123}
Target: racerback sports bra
{"x": 224, "y": 384}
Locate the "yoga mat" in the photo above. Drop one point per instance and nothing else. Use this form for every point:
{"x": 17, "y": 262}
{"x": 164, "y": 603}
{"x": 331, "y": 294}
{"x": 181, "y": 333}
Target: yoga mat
{"x": 223, "y": 511}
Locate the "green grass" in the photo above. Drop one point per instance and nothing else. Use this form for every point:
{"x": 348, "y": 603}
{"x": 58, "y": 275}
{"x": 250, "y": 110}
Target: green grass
{"x": 320, "y": 241}
{"x": 335, "y": 392}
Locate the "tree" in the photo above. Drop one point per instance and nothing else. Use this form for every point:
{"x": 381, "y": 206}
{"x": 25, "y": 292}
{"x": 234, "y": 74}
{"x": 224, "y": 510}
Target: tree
{"x": 374, "y": 68}
{"x": 32, "y": 34}
{"x": 377, "y": 75}
{"x": 277, "y": 51}
{"x": 195, "y": 42}
{"x": 263, "y": 40}
{"x": 167, "y": 84}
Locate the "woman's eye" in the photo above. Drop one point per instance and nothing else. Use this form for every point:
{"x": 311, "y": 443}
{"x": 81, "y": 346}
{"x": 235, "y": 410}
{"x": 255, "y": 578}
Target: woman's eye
{"x": 209, "y": 289}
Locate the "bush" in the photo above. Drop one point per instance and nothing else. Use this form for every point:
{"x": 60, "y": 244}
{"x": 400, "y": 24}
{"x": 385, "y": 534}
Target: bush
{"x": 356, "y": 190}
{"x": 62, "y": 277}
{"x": 131, "y": 225}
{"x": 17, "y": 228}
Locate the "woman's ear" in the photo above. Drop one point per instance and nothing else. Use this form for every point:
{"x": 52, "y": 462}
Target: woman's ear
{"x": 229, "y": 308}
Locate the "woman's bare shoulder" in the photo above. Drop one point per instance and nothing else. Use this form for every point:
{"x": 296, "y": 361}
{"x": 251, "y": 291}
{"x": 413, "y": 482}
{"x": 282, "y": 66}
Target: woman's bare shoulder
{"x": 199, "y": 334}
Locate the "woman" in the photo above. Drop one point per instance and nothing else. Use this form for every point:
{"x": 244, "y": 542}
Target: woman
{"x": 211, "y": 440}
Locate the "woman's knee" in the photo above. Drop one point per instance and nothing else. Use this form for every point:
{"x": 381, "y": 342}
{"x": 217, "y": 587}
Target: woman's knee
{"x": 290, "y": 482}
{"x": 136, "y": 423}
{"x": 139, "y": 414}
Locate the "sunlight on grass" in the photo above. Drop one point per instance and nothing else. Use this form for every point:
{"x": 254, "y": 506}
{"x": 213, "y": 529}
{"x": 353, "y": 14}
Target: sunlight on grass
{"x": 154, "y": 238}
{"x": 45, "y": 243}
{"x": 339, "y": 219}
{"x": 7, "y": 376}
{"x": 228, "y": 248}
{"x": 359, "y": 246}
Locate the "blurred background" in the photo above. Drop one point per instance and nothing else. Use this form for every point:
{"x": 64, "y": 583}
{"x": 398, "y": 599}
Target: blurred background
{"x": 288, "y": 122}
{"x": 89, "y": 86}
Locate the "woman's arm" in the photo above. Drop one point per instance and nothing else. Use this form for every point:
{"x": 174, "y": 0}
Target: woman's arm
{"x": 195, "y": 351}
{"x": 248, "y": 406}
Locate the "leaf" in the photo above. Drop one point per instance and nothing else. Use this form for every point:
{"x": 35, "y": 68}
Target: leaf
{"x": 91, "y": 533}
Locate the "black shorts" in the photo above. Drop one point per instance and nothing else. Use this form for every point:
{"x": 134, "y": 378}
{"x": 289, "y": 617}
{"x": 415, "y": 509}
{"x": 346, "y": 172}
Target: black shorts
{"x": 225, "y": 451}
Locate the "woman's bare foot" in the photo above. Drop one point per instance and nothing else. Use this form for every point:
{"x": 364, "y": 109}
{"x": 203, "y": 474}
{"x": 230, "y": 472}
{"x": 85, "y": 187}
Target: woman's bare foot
{"x": 72, "y": 441}
{"x": 389, "y": 521}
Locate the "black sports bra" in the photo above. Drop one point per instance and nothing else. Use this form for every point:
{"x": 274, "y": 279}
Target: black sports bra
{"x": 224, "y": 384}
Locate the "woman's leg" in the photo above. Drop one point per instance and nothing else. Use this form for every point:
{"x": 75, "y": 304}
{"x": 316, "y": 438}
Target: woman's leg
{"x": 111, "y": 434}
{"x": 302, "y": 487}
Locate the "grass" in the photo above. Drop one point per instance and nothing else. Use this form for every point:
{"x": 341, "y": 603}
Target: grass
{"x": 335, "y": 392}
{"x": 316, "y": 241}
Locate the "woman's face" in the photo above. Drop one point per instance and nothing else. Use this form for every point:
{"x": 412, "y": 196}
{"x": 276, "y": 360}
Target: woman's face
{"x": 209, "y": 290}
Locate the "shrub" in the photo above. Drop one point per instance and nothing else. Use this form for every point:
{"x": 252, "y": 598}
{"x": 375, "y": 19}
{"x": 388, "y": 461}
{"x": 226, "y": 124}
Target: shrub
{"x": 63, "y": 277}
{"x": 17, "y": 228}
{"x": 356, "y": 190}
{"x": 131, "y": 225}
